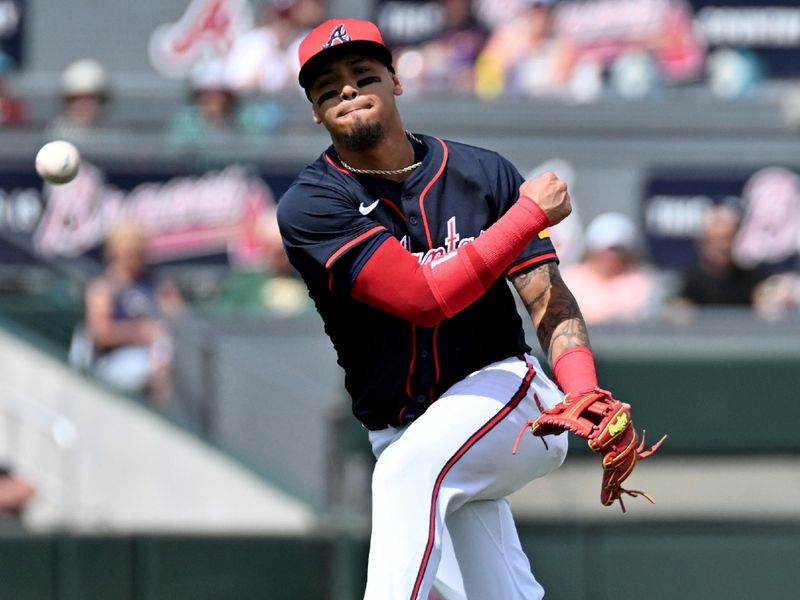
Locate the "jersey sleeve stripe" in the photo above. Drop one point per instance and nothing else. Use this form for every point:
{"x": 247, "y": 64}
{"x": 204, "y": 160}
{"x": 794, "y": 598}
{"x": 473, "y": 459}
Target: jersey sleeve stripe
{"x": 542, "y": 258}
{"x": 425, "y": 193}
{"x": 356, "y": 240}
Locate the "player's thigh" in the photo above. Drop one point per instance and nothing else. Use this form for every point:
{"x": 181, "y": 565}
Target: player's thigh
{"x": 464, "y": 441}
{"x": 490, "y": 558}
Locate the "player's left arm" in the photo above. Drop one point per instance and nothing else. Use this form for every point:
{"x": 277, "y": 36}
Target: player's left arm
{"x": 560, "y": 327}
{"x": 586, "y": 410}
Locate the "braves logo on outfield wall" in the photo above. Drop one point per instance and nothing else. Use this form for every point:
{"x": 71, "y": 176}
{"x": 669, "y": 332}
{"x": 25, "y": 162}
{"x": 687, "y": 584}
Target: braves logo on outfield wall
{"x": 207, "y": 29}
{"x": 186, "y": 216}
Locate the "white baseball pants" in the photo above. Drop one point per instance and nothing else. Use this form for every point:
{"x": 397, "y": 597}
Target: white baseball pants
{"x": 440, "y": 517}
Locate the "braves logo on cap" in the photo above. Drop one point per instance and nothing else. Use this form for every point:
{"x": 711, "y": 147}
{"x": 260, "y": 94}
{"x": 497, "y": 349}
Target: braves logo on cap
{"x": 338, "y": 35}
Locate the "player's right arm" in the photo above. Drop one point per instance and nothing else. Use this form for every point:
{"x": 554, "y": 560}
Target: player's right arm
{"x": 394, "y": 281}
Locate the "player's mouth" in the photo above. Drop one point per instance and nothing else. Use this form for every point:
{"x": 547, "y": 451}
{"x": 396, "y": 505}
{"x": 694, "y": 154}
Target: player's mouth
{"x": 353, "y": 109}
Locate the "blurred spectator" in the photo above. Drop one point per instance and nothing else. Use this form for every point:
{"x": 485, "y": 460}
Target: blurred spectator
{"x": 769, "y": 235}
{"x": 497, "y": 12}
{"x": 85, "y": 94}
{"x": 447, "y": 62}
{"x": 127, "y": 313}
{"x": 216, "y": 109}
{"x": 524, "y": 57}
{"x": 734, "y": 73}
{"x": 264, "y": 60}
{"x": 656, "y": 41}
{"x": 778, "y": 297}
{"x": 612, "y": 284}
{"x": 15, "y": 493}
{"x": 271, "y": 285}
{"x": 565, "y": 48}
{"x": 12, "y": 110}
{"x": 717, "y": 280}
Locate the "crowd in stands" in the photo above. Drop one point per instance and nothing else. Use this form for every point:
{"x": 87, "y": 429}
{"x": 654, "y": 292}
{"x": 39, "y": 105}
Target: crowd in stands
{"x": 569, "y": 50}
{"x": 615, "y": 283}
{"x": 564, "y": 49}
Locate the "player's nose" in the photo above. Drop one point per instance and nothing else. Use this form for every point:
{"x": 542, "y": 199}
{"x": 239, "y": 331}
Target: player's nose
{"x": 349, "y": 91}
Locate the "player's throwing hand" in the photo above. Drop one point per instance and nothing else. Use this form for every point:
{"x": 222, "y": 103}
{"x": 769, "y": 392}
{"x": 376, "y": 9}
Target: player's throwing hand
{"x": 550, "y": 193}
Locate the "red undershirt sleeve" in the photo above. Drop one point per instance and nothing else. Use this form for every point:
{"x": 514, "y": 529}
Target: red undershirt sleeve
{"x": 394, "y": 281}
{"x": 574, "y": 370}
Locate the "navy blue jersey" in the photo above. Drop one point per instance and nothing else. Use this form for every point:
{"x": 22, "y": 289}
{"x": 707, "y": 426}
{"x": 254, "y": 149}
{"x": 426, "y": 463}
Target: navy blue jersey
{"x": 332, "y": 221}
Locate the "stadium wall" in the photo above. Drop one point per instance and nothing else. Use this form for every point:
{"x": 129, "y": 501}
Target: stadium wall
{"x": 687, "y": 560}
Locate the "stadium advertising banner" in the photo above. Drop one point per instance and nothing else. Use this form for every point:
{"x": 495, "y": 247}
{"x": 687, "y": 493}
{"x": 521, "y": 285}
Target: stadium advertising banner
{"x": 199, "y": 218}
{"x": 674, "y": 206}
{"x": 408, "y": 21}
{"x": 768, "y": 28}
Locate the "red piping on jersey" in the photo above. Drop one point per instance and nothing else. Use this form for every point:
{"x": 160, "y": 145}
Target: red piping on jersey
{"x": 393, "y": 207}
{"x": 435, "y": 360}
{"x": 351, "y": 243}
{"x": 531, "y": 261}
{"x": 425, "y": 193}
{"x": 476, "y": 437}
{"x": 413, "y": 359}
{"x": 430, "y": 245}
{"x": 338, "y": 168}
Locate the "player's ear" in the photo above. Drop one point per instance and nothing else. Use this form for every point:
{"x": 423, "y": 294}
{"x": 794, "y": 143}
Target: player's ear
{"x": 398, "y": 87}
{"x": 314, "y": 114}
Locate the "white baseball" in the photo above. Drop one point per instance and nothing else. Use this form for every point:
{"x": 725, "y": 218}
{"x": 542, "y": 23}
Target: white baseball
{"x": 57, "y": 162}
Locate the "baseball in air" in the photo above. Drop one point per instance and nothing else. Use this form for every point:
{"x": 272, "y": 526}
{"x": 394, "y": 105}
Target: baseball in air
{"x": 57, "y": 162}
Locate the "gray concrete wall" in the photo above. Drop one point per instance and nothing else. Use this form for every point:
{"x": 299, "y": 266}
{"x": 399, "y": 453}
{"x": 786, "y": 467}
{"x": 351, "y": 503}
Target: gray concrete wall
{"x": 100, "y": 462}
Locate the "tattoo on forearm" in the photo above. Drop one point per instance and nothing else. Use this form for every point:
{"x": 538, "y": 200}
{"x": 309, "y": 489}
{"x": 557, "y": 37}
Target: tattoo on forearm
{"x": 567, "y": 333}
{"x": 525, "y": 285}
{"x": 553, "y": 309}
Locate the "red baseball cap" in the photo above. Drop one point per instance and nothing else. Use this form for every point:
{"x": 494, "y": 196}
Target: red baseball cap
{"x": 336, "y": 37}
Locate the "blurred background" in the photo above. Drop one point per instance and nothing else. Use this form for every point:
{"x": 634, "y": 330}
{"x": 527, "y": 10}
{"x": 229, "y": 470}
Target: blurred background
{"x": 172, "y": 420}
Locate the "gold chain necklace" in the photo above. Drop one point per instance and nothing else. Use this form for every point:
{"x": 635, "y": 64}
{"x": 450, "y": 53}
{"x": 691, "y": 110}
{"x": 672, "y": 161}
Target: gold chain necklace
{"x": 407, "y": 169}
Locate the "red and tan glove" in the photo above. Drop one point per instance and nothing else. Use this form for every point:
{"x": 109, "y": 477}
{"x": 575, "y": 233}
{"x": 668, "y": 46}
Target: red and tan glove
{"x": 606, "y": 423}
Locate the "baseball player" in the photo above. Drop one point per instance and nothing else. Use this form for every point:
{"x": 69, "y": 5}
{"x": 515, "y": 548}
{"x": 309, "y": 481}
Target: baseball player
{"x": 405, "y": 242}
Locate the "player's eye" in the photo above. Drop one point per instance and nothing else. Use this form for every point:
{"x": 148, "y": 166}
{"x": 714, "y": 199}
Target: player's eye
{"x": 365, "y": 81}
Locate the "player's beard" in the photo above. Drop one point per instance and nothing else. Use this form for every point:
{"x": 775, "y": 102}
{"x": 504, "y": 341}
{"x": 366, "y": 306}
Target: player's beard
{"x": 363, "y": 136}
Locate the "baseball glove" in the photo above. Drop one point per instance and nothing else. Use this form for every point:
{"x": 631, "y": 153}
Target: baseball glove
{"x": 606, "y": 423}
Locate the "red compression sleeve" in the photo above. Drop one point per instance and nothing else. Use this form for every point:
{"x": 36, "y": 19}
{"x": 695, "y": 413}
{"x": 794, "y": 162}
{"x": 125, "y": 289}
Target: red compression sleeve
{"x": 394, "y": 281}
{"x": 574, "y": 370}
